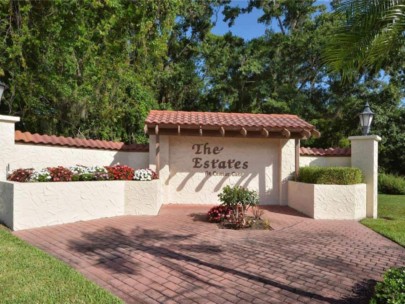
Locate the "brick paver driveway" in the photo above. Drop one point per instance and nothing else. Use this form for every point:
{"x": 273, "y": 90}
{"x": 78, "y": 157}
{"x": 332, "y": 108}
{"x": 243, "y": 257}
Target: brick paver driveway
{"x": 176, "y": 257}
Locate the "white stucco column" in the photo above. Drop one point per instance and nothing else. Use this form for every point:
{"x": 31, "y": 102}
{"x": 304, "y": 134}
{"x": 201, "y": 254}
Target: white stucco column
{"x": 365, "y": 157}
{"x": 286, "y": 168}
{"x": 164, "y": 159}
{"x": 7, "y": 130}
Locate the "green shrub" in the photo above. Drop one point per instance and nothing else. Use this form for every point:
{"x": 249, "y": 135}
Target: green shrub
{"x": 391, "y": 184}
{"x": 238, "y": 199}
{"x": 392, "y": 289}
{"x": 330, "y": 175}
{"x": 234, "y": 196}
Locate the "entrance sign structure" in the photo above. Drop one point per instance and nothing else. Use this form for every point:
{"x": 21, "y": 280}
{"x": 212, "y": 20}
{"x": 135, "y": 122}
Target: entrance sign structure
{"x": 197, "y": 153}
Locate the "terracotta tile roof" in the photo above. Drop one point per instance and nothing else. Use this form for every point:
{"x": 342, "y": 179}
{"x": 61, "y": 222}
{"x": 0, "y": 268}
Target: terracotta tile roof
{"x": 218, "y": 119}
{"x": 325, "y": 152}
{"x": 52, "y": 140}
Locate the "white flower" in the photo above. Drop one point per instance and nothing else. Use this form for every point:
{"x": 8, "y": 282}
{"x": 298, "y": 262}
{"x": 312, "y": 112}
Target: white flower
{"x": 42, "y": 175}
{"x": 79, "y": 170}
{"x": 143, "y": 175}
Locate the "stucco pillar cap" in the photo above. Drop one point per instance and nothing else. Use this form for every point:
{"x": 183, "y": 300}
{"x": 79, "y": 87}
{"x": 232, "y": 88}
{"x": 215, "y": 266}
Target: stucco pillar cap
{"x": 7, "y": 118}
{"x": 366, "y": 137}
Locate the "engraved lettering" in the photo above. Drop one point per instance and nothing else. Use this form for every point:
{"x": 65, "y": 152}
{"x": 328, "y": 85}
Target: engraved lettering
{"x": 197, "y": 162}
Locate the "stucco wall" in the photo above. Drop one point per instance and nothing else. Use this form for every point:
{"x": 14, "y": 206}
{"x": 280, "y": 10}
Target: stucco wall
{"x": 185, "y": 180}
{"x": 365, "y": 157}
{"x": 37, "y": 156}
{"x": 287, "y": 168}
{"x": 44, "y": 204}
{"x": 18, "y": 155}
{"x": 31, "y": 205}
{"x": 340, "y": 202}
{"x": 6, "y": 143}
{"x": 143, "y": 198}
{"x": 301, "y": 197}
{"x": 325, "y": 161}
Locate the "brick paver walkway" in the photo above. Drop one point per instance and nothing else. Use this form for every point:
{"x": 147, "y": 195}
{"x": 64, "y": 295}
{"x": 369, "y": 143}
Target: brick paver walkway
{"x": 178, "y": 258}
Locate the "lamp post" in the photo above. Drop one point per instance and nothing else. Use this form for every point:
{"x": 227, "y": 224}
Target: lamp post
{"x": 2, "y": 88}
{"x": 366, "y": 117}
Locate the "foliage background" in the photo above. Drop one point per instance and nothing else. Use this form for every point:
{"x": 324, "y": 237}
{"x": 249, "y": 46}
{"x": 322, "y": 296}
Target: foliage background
{"x": 94, "y": 69}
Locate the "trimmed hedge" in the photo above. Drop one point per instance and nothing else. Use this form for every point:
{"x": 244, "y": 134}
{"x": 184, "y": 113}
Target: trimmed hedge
{"x": 392, "y": 289}
{"x": 330, "y": 175}
{"x": 391, "y": 184}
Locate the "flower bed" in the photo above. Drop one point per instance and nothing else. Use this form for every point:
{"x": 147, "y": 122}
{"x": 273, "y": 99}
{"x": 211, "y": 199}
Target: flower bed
{"x": 31, "y": 205}
{"x": 57, "y": 195}
{"x": 340, "y": 202}
{"x": 81, "y": 173}
{"x": 232, "y": 213}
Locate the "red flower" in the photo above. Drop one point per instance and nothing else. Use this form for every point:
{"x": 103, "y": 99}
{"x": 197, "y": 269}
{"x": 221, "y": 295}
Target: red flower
{"x": 219, "y": 213}
{"x": 60, "y": 174}
{"x": 20, "y": 175}
{"x": 119, "y": 172}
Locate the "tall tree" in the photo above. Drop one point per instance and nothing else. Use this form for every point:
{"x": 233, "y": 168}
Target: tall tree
{"x": 278, "y": 72}
{"x": 181, "y": 83}
{"x": 83, "y": 67}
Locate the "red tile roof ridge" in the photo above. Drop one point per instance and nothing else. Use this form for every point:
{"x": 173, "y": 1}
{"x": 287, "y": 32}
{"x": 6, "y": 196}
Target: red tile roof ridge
{"x": 169, "y": 119}
{"x": 225, "y": 113}
{"x": 336, "y": 151}
{"x": 52, "y": 140}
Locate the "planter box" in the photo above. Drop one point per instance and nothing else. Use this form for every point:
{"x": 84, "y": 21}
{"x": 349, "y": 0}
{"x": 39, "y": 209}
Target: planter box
{"x": 143, "y": 198}
{"x": 31, "y": 205}
{"x": 340, "y": 202}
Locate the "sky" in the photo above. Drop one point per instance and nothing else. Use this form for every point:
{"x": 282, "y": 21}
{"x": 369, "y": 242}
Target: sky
{"x": 246, "y": 25}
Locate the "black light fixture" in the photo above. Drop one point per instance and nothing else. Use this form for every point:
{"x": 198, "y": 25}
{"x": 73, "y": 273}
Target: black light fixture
{"x": 2, "y": 88}
{"x": 366, "y": 117}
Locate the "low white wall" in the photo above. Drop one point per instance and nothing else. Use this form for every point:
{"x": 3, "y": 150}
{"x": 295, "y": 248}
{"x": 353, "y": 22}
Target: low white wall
{"x": 325, "y": 161}
{"x": 6, "y": 143}
{"x": 301, "y": 197}
{"x": 340, "y": 202}
{"x": 31, "y": 205}
{"x": 38, "y": 156}
{"x": 143, "y": 198}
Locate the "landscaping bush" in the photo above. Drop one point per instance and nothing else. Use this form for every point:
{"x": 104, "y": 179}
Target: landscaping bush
{"x": 330, "y": 175}
{"x": 392, "y": 289}
{"x": 391, "y": 184}
{"x": 238, "y": 199}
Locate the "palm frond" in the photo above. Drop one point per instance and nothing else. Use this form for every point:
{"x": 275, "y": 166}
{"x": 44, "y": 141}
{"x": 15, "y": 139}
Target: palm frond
{"x": 368, "y": 31}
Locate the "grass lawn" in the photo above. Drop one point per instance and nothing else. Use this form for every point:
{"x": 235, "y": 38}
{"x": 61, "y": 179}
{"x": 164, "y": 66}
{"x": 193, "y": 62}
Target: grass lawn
{"x": 28, "y": 275}
{"x": 391, "y": 218}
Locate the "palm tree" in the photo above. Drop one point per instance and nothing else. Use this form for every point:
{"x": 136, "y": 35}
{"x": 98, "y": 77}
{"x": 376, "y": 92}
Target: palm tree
{"x": 369, "y": 31}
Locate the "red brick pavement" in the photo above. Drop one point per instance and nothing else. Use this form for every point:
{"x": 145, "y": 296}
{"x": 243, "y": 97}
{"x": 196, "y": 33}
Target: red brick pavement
{"x": 176, "y": 257}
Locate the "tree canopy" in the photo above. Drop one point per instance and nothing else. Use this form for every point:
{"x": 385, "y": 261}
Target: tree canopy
{"x": 95, "y": 68}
